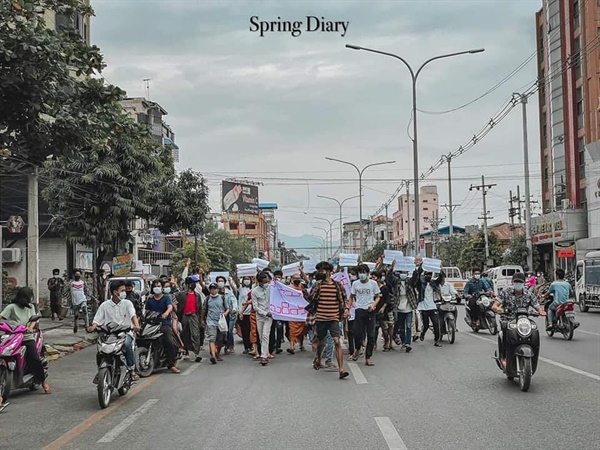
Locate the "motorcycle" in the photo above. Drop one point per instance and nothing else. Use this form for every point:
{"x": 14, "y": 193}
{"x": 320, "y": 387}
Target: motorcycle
{"x": 487, "y": 317}
{"x": 150, "y": 354}
{"x": 14, "y": 373}
{"x": 112, "y": 364}
{"x": 448, "y": 314}
{"x": 519, "y": 347}
{"x": 565, "y": 319}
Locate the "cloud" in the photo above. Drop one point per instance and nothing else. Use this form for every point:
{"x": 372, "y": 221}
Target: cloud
{"x": 272, "y": 108}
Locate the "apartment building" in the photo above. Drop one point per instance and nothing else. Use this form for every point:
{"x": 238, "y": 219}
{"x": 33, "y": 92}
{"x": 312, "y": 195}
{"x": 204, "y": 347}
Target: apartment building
{"x": 404, "y": 217}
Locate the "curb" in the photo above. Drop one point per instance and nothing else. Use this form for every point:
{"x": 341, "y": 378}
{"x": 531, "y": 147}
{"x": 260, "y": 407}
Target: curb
{"x": 54, "y": 352}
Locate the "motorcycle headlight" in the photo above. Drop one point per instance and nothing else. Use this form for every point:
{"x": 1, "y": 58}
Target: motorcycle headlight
{"x": 485, "y": 301}
{"x": 524, "y": 326}
{"x": 108, "y": 348}
{"x": 10, "y": 349}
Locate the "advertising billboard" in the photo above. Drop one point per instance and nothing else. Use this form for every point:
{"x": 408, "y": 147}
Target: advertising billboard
{"x": 239, "y": 198}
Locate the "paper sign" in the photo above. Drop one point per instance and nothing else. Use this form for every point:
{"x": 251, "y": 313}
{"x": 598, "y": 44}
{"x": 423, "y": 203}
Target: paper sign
{"x": 213, "y": 276}
{"x": 390, "y": 255}
{"x": 370, "y": 265}
{"x": 344, "y": 279}
{"x": 291, "y": 269}
{"x": 309, "y": 266}
{"x": 260, "y": 263}
{"x": 405, "y": 264}
{"x": 246, "y": 270}
{"x": 348, "y": 259}
{"x": 432, "y": 265}
{"x": 287, "y": 303}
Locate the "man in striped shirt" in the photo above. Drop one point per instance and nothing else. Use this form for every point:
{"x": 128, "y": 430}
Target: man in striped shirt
{"x": 329, "y": 298}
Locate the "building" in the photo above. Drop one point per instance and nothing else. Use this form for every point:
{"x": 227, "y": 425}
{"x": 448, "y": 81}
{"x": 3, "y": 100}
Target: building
{"x": 272, "y": 238}
{"x": 403, "y": 219}
{"x": 569, "y": 79}
{"x": 379, "y": 229}
{"x": 249, "y": 226}
{"x": 151, "y": 113}
{"x": 351, "y": 236}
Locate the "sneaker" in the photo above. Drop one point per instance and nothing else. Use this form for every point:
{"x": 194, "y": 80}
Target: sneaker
{"x": 437, "y": 344}
{"x": 174, "y": 370}
{"x": 198, "y": 359}
{"x": 408, "y": 349}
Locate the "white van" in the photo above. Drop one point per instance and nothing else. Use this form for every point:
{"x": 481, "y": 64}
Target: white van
{"x": 502, "y": 276}
{"x": 587, "y": 281}
{"x": 454, "y": 276}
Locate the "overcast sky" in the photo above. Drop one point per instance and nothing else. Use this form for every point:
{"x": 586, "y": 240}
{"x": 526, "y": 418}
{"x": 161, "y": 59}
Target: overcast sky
{"x": 271, "y": 108}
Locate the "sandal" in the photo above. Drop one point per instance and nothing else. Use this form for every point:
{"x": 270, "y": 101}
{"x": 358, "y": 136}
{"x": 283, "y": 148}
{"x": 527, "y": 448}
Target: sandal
{"x": 46, "y": 387}
{"x": 291, "y": 352}
{"x": 343, "y": 375}
{"x": 369, "y": 363}
{"x": 264, "y": 362}
{"x": 316, "y": 364}
{"x": 355, "y": 356}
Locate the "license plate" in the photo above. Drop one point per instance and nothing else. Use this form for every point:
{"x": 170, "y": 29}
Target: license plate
{"x": 570, "y": 314}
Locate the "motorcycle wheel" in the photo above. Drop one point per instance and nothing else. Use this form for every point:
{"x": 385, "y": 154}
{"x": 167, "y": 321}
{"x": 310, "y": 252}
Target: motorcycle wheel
{"x": 492, "y": 326}
{"x": 568, "y": 329}
{"x": 104, "y": 387}
{"x": 451, "y": 330}
{"x": 548, "y": 332}
{"x": 525, "y": 374}
{"x": 123, "y": 390}
{"x": 4, "y": 384}
{"x": 144, "y": 369}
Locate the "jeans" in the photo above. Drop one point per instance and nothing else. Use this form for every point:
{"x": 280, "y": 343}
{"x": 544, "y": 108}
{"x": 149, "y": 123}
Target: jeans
{"x": 405, "y": 321}
{"x": 474, "y": 309}
{"x": 170, "y": 344}
{"x": 434, "y": 316}
{"x": 231, "y": 322}
{"x": 263, "y": 326}
{"x": 364, "y": 322}
{"x": 129, "y": 357}
{"x": 279, "y": 333}
{"x": 34, "y": 362}
{"x": 551, "y": 312}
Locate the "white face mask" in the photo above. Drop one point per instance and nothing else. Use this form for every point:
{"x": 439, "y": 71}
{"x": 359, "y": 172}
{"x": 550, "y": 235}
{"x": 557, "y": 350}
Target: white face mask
{"x": 221, "y": 285}
{"x": 157, "y": 290}
{"x": 477, "y": 277}
{"x": 122, "y": 295}
{"x": 246, "y": 282}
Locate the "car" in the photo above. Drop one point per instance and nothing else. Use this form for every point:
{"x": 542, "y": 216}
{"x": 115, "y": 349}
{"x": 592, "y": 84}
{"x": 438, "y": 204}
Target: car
{"x": 454, "y": 276}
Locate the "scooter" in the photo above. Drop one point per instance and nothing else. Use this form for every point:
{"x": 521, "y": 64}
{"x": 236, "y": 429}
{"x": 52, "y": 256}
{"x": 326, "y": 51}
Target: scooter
{"x": 112, "y": 364}
{"x": 151, "y": 354}
{"x": 565, "y": 319}
{"x": 14, "y": 373}
{"x": 519, "y": 347}
{"x": 448, "y": 314}
{"x": 487, "y": 317}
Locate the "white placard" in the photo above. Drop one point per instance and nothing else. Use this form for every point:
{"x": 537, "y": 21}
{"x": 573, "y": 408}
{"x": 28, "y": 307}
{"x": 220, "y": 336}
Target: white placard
{"x": 246, "y": 270}
{"x": 432, "y": 265}
{"x": 348, "y": 260}
{"x": 213, "y": 276}
{"x": 371, "y": 266}
{"x": 291, "y": 269}
{"x": 405, "y": 264}
{"x": 260, "y": 263}
{"x": 391, "y": 255}
{"x": 309, "y": 266}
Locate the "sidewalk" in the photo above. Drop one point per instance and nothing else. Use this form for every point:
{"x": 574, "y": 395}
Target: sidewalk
{"x": 60, "y": 339}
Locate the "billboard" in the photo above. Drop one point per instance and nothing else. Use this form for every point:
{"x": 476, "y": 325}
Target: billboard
{"x": 239, "y": 198}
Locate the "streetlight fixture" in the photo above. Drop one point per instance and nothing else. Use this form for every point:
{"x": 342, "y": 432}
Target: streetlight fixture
{"x": 324, "y": 240}
{"x": 340, "y": 204}
{"x": 414, "y": 75}
{"x": 331, "y": 222}
{"x": 360, "y": 195}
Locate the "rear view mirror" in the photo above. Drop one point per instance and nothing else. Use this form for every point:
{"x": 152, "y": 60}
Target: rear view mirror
{"x": 34, "y": 318}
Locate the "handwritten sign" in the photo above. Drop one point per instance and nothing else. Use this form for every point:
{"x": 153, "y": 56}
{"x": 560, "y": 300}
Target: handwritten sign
{"x": 309, "y": 266}
{"x": 405, "y": 264}
{"x": 432, "y": 265}
{"x": 260, "y": 263}
{"x": 291, "y": 269}
{"x": 348, "y": 259}
{"x": 213, "y": 276}
{"x": 246, "y": 270}
{"x": 287, "y": 303}
{"x": 389, "y": 256}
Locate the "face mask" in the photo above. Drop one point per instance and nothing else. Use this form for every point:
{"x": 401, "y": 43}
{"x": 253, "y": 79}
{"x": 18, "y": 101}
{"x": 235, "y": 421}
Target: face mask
{"x": 320, "y": 277}
{"x": 246, "y": 282}
{"x": 477, "y": 277}
{"x": 221, "y": 285}
{"x": 518, "y": 286}
{"x": 214, "y": 294}
{"x": 122, "y": 295}
{"x": 403, "y": 276}
{"x": 55, "y": 275}
{"x": 157, "y": 290}
{"x": 167, "y": 290}
{"x": 362, "y": 276}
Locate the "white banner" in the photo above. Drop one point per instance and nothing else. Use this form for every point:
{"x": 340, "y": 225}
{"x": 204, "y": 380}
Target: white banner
{"x": 309, "y": 266}
{"x": 389, "y": 256}
{"x": 213, "y": 276}
{"x": 348, "y": 260}
{"x": 405, "y": 264}
{"x": 287, "y": 303}
{"x": 260, "y": 263}
{"x": 432, "y": 265}
{"x": 371, "y": 266}
{"x": 246, "y": 270}
{"x": 291, "y": 269}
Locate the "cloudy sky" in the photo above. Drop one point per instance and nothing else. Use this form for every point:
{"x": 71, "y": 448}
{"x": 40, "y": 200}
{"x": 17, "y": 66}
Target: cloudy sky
{"x": 271, "y": 108}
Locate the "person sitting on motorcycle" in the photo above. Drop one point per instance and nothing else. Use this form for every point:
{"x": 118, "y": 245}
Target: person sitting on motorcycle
{"x": 122, "y": 312}
{"x": 447, "y": 289}
{"x": 134, "y": 297}
{"x": 561, "y": 290}
{"x": 20, "y": 311}
{"x": 513, "y": 298}
{"x": 473, "y": 288}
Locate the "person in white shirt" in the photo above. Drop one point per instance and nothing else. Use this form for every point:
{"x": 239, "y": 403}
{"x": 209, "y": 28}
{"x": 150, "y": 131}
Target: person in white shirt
{"x": 428, "y": 290}
{"x": 122, "y": 312}
{"x": 78, "y": 298}
{"x": 448, "y": 289}
{"x": 365, "y": 294}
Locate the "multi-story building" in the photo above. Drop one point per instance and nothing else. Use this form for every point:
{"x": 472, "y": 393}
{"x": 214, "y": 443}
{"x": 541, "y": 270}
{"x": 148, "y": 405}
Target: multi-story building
{"x": 404, "y": 217}
{"x": 272, "y": 237}
{"x": 379, "y": 229}
{"x": 249, "y": 226}
{"x": 351, "y": 236}
{"x": 569, "y": 89}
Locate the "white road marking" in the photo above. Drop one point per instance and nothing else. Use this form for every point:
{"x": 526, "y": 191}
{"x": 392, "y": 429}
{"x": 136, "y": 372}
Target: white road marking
{"x": 549, "y": 361}
{"x": 357, "y": 373}
{"x": 390, "y": 434}
{"x": 190, "y": 369}
{"x": 112, "y": 434}
{"x": 589, "y": 332}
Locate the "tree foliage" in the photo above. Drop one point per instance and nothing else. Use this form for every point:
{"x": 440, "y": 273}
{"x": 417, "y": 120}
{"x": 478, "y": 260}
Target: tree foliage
{"x": 473, "y": 253}
{"x": 375, "y": 253}
{"x": 450, "y": 249}
{"x": 517, "y": 253}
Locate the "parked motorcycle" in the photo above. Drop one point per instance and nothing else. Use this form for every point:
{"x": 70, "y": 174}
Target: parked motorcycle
{"x": 14, "y": 373}
{"x": 487, "y": 317}
{"x": 150, "y": 354}
{"x": 565, "y": 319}
{"x": 112, "y": 364}
{"x": 448, "y": 313}
{"x": 519, "y": 347}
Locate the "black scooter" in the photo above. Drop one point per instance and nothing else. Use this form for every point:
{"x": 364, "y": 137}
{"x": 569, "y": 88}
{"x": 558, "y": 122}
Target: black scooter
{"x": 150, "y": 353}
{"x": 519, "y": 347}
{"x": 448, "y": 313}
{"x": 487, "y": 317}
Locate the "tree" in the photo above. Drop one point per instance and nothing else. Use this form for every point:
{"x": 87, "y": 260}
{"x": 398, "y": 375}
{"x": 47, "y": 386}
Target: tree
{"x": 517, "y": 253}
{"x": 450, "y": 249}
{"x": 473, "y": 254}
{"x": 181, "y": 255}
{"x": 375, "y": 253}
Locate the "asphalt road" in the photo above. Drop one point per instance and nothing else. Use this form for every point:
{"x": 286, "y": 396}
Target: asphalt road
{"x": 452, "y": 397}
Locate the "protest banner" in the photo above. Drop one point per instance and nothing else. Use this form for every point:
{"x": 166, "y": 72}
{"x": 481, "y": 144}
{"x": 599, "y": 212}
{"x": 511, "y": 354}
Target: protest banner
{"x": 291, "y": 269}
{"x": 260, "y": 263}
{"x": 246, "y": 270}
{"x": 287, "y": 303}
{"x": 309, "y": 266}
{"x": 213, "y": 276}
{"x": 348, "y": 260}
{"x": 344, "y": 279}
{"x": 370, "y": 265}
{"x": 405, "y": 264}
{"x": 432, "y": 265}
{"x": 389, "y": 256}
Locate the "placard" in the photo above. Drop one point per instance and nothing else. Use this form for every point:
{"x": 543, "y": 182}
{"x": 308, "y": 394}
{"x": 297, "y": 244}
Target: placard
{"x": 291, "y": 269}
{"x": 246, "y": 270}
{"x": 260, "y": 263}
{"x": 213, "y": 276}
{"x": 371, "y": 266}
{"x": 348, "y": 260}
{"x": 389, "y": 256}
{"x": 432, "y": 265}
{"x": 309, "y": 266}
{"x": 405, "y": 264}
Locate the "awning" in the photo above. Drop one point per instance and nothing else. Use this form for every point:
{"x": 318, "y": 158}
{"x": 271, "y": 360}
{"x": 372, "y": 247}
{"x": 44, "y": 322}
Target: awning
{"x": 167, "y": 141}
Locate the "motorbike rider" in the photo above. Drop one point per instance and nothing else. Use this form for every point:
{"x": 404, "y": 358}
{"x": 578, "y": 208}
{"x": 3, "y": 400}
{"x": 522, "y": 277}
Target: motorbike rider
{"x": 511, "y": 299}
{"x": 133, "y": 297}
{"x": 122, "y": 312}
{"x": 20, "y": 311}
{"x": 473, "y": 288}
{"x": 561, "y": 290}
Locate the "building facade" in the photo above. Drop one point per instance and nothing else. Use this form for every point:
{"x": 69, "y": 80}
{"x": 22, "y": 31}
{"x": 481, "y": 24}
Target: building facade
{"x": 404, "y": 220}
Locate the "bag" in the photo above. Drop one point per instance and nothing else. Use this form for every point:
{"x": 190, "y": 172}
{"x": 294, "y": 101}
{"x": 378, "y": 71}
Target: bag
{"x": 223, "y": 327}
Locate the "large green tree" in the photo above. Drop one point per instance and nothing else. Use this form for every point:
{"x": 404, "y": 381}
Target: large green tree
{"x": 450, "y": 249}
{"x": 373, "y": 254}
{"x": 517, "y": 253}
{"x": 473, "y": 253}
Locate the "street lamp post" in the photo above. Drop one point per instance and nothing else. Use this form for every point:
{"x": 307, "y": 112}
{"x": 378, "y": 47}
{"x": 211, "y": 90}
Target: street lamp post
{"x": 340, "y": 204}
{"x": 331, "y": 222}
{"x": 325, "y": 240}
{"x": 414, "y": 75}
{"x": 360, "y": 174}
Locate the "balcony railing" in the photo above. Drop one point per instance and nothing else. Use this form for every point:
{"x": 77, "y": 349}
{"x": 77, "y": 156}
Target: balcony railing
{"x": 152, "y": 256}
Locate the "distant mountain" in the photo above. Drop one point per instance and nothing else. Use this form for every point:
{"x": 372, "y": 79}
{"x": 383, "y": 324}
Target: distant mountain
{"x": 307, "y": 244}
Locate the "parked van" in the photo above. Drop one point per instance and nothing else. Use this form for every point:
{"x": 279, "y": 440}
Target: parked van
{"x": 501, "y": 276}
{"x": 587, "y": 281}
{"x": 454, "y": 276}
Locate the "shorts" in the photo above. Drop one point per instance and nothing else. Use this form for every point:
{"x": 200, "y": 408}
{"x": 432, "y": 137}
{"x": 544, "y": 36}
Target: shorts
{"x": 333, "y": 326}
{"x": 211, "y": 333}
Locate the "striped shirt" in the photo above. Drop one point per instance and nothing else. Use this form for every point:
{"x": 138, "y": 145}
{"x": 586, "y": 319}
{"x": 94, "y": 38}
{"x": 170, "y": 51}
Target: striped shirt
{"x": 328, "y": 307}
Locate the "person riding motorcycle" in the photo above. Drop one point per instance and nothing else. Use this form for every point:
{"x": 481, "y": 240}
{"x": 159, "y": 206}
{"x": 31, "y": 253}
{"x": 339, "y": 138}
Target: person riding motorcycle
{"x": 513, "y": 298}
{"x": 561, "y": 290}
{"x": 122, "y": 312}
{"x": 475, "y": 286}
{"x": 20, "y": 311}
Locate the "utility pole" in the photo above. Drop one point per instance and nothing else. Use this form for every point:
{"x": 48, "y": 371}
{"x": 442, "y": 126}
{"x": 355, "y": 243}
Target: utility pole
{"x": 484, "y": 188}
{"x": 519, "y": 201}
{"x": 387, "y": 232}
{"x": 435, "y": 223}
{"x": 450, "y": 207}
{"x": 511, "y": 213}
{"x": 408, "y": 217}
{"x": 33, "y": 250}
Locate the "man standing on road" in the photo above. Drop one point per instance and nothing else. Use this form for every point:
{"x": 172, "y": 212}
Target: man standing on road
{"x": 55, "y": 286}
{"x": 365, "y": 294}
{"x": 261, "y": 303}
{"x": 428, "y": 290}
{"x": 328, "y": 301}
{"x": 78, "y": 299}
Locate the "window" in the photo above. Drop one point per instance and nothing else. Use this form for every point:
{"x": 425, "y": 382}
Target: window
{"x": 509, "y": 272}
{"x": 582, "y": 198}
{"x": 581, "y": 145}
{"x": 576, "y": 58}
{"x": 425, "y": 209}
{"x": 250, "y": 226}
{"x": 576, "y": 14}
{"x": 579, "y": 94}
{"x": 545, "y": 174}
{"x": 233, "y": 226}
{"x": 425, "y": 201}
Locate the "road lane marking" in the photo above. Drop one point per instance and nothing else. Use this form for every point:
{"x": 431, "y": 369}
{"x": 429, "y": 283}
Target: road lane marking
{"x": 390, "y": 434}
{"x": 357, "y": 373}
{"x": 112, "y": 434}
{"x": 190, "y": 369}
{"x": 589, "y": 332}
{"x": 549, "y": 361}
{"x": 94, "y": 418}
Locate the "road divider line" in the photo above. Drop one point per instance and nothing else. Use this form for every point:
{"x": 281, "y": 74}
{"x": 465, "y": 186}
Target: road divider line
{"x": 549, "y": 361}
{"x": 390, "y": 434}
{"x": 190, "y": 369}
{"x": 112, "y": 434}
{"x": 357, "y": 373}
{"x": 95, "y": 418}
{"x": 589, "y": 332}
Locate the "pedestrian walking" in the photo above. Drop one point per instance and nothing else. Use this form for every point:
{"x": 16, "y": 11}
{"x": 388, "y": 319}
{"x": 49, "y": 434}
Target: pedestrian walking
{"x": 55, "y": 286}
{"x": 365, "y": 296}
{"x": 190, "y": 316}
